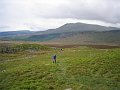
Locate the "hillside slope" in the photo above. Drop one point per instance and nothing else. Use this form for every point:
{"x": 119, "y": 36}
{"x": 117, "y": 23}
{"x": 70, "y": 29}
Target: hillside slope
{"x": 104, "y": 37}
{"x": 71, "y": 33}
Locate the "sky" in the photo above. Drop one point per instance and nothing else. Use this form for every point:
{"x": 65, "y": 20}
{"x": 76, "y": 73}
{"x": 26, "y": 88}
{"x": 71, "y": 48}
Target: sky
{"x": 47, "y": 14}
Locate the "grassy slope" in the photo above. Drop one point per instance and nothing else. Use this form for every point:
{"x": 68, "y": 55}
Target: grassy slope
{"x": 110, "y": 37}
{"x": 77, "y": 68}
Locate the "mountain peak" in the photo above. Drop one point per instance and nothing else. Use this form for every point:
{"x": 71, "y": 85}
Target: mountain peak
{"x": 73, "y": 27}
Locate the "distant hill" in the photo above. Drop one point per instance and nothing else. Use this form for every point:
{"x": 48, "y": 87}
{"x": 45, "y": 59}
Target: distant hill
{"x": 70, "y": 33}
{"x": 11, "y": 33}
{"x": 78, "y": 27}
{"x": 15, "y": 35}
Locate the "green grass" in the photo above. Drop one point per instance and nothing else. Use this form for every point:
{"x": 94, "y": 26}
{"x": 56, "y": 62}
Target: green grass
{"x": 79, "y": 68}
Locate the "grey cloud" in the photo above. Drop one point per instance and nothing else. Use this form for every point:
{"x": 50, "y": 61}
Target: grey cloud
{"x": 104, "y": 10}
{"x": 22, "y": 11}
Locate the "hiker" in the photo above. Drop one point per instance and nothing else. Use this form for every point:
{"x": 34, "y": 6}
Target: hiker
{"x": 54, "y": 58}
{"x": 61, "y": 49}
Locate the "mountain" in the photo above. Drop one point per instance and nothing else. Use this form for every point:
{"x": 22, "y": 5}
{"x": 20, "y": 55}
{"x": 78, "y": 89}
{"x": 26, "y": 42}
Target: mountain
{"x": 70, "y": 33}
{"x": 14, "y": 33}
{"x": 10, "y": 33}
{"x": 78, "y": 27}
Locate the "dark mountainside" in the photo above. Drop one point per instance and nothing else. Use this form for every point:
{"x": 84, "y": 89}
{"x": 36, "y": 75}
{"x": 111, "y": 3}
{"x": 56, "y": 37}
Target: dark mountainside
{"x": 91, "y": 37}
{"x": 70, "y": 33}
{"x": 77, "y": 27}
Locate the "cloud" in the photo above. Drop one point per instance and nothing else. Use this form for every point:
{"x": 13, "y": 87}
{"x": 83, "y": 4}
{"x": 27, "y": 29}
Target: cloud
{"x": 53, "y": 13}
{"x": 103, "y": 10}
